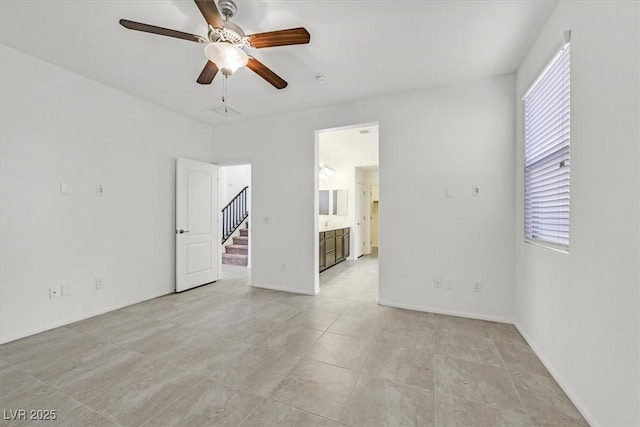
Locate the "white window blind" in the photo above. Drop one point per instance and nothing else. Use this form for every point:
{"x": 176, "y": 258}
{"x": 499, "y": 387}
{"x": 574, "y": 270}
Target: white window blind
{"x": 547, "y": 139}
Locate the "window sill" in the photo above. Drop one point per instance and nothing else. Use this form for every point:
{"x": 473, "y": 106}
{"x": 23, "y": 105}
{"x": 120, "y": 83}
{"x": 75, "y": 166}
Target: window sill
{"x": 547, "y": 245}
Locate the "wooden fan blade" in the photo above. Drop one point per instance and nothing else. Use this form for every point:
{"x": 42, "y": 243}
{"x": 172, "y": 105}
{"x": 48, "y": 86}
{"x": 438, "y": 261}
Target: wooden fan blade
{"x": 280, "y": 38}
{"x": 208, "y": 73}
{"x": 161, "y": 31}
{"x": 210, "y": 12}
{"x": 260, "y": 69}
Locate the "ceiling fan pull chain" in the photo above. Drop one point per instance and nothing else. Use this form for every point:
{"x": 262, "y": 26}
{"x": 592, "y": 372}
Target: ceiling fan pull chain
{"x": 224, "y": 94}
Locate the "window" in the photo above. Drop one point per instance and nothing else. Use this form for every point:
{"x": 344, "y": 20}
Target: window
{"x": 546, "y": 154}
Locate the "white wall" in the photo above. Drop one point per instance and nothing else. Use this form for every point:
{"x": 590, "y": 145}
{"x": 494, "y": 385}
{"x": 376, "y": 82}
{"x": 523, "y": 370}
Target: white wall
{"x": 579, "y": 311}
{"x": 451, "y": 135}
{"x": 57, "y": 126}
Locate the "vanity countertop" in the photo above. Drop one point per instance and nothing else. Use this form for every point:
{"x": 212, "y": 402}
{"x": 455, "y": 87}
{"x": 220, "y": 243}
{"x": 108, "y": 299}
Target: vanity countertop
{"x": 324, "y": 228}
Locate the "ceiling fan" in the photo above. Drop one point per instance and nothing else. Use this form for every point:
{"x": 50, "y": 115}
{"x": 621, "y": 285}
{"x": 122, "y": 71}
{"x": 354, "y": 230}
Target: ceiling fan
{"x": 225, "y": 42}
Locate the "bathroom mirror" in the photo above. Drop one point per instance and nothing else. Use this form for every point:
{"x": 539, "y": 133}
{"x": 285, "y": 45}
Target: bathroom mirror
{"x": 340, "y": 204}
{"x": 324, "y": 202}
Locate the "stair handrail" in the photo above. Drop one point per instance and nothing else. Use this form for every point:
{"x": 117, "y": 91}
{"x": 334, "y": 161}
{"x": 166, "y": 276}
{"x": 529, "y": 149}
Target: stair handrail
{"x": 234, "y": 214}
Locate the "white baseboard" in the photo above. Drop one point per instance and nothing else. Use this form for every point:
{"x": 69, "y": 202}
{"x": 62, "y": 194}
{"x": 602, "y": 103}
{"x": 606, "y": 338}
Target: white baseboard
{"x": 477, "y": 316}
{"x": 282, "y": 289}
{"x": 556, "y": 376}
{"x": 74, "y": 319}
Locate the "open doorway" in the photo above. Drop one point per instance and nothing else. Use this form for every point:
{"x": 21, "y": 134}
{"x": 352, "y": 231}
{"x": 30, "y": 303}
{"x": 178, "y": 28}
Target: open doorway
{"x": 234, "y": 199}
{"x": 347, "y": 162}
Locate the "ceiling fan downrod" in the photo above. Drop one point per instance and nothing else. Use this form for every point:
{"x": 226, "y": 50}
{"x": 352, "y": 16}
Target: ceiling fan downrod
{"x": 228, "y": 8}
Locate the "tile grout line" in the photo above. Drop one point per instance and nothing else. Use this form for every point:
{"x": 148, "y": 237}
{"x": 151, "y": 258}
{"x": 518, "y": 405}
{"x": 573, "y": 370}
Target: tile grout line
{"x": 251, "y": 411}
{"x": 360, "y": 373}
{"x": 122, "y": 347}
{"x": 435, "y": 384}
{"x": 303, "y": 410}
{"x": 513, "y": 384}
{"x": 346, "y": 405}
{"x": 80, "y": 403}
{"x": 306, "y": 411}
{"x": 171, "y": 401}
{"x": 167, "y": 406}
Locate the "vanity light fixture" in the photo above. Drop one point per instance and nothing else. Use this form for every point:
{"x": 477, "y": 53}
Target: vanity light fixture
{"x": 327, "y": 171}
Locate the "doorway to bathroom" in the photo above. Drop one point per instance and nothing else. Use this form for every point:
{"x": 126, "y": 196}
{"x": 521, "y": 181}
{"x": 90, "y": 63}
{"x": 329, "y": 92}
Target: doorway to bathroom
{"x": 347, "y": 177}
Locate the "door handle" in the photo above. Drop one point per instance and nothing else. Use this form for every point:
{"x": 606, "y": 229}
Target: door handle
{"x": 181, "y": 231}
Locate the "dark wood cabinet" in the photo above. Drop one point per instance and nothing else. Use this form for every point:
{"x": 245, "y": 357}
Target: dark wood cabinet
{"x": 334, "y": 247}
{"x": 345, "y": 239}
{"x": 322, "y": 252}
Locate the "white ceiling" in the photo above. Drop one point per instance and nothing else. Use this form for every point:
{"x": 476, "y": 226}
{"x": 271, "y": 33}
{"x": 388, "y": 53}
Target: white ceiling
{"x": 366, "y": 48}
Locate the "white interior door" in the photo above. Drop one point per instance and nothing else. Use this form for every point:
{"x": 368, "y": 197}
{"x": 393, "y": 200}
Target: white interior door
{"x": 197, "y": 240}
{"x": 361, "y": 220}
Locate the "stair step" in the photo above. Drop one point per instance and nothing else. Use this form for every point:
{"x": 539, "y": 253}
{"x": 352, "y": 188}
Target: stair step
{"x": 241, "y": 240}
{"x": 237, "y": 249}
{"x": 244, "y": 232}
{"x": 235, "y": 259}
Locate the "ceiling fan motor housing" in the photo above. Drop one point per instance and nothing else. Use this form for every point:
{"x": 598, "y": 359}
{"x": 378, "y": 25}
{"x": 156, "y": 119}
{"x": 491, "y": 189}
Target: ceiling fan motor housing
{"x": 231, "y": 33}
{"x": 228, "y": 8}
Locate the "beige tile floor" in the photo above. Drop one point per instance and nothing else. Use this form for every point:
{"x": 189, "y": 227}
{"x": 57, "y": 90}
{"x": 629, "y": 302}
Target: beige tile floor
{"x": 229, "y": 354}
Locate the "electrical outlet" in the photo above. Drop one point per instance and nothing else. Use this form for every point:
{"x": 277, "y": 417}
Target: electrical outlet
{"x": 55, "y": 292}
{"x": 449, "y": 283}
{"x": 99, "y": 283}
{"x": 476, "y": 287}
{"x": 437, "y": 282}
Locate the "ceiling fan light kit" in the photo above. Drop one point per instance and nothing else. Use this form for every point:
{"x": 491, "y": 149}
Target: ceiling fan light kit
{"x": 226, "y": 42}
{"x": 227, "y": 57}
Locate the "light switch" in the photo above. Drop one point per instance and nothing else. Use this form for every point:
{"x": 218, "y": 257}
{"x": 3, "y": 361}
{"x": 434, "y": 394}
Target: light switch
{"x": 475, "y": 191}
{"x": 451, "y": 192}
{"x": 100, "y": 191}
{"x": 65, "y": 188}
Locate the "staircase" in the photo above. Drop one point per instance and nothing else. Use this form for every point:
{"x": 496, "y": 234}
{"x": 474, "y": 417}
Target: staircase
{"x": 233, "y": 215}
{"x": 237, "y": 253}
